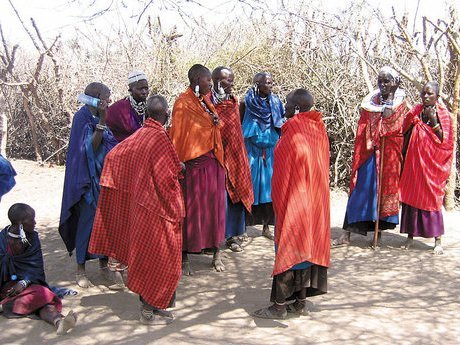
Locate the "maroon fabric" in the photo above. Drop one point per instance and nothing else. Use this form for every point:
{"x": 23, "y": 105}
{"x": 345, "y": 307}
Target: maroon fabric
{"x": 204, "y": 194}
{"x": 122, "y": 119}
{"x": 33, "y": 298}
{"x": 421, "y": 223}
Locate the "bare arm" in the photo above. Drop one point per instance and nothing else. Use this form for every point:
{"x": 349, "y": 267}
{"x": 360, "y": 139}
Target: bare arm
{"x": 98, "y": 133}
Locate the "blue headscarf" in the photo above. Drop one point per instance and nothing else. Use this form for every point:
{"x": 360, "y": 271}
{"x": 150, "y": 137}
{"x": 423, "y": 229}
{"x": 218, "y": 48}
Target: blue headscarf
{"x": 265, "y": 114}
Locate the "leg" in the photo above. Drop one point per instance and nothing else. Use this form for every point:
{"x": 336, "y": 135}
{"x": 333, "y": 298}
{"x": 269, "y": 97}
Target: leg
{"x": 438, "y": 250}
{"x": 344, "y": 239}
{"x": 409, "y": 242}
{"x": 266, "y": 231}
{"x": 217, "y": 260}
{"x": 63, "y": 324}
{"x": 81, "y": 278}
{"x": 186, "y": 267}
{"x": 113, "y": 271}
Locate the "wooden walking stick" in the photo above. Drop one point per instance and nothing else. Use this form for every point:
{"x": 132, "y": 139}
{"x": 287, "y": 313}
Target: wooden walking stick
{"x": 379, "y": 192}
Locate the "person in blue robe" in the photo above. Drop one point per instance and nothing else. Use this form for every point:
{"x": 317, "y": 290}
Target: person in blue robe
{"x": 262, "y": 113}
{"x": 90, "y": 141}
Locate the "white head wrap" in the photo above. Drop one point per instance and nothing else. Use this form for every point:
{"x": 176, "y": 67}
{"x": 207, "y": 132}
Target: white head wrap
{"x": 135, "y": 76}
{"x": 390, "y": 71}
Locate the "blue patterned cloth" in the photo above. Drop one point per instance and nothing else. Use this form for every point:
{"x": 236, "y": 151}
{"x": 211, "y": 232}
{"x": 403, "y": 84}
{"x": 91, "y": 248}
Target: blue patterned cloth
{"x": 261, "y": 120}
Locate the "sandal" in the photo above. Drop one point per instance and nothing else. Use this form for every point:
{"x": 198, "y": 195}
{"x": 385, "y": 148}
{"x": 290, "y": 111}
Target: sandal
{"x": 234, "y": 246}
{"x": 268, "y": 313}
{"x": 299, "y": 310}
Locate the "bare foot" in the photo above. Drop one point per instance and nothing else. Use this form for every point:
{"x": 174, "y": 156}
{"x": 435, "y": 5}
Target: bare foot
{"x": 298, "y": 307}
{"x": 438, "y": 250}
{"x": 266, "y": 232}
{"x": 409, "y": 243}
{"x": 83, "y": 281}
{"x": 153, "y": 318}
{"x": 218, "y": 265}
{"x": 343, "y": 240}
{"x": 117, "y": 278}
{"x": 67, "y": 323}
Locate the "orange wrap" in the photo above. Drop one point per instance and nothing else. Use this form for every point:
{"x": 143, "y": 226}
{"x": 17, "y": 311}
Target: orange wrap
{"x": 192, "y": 130}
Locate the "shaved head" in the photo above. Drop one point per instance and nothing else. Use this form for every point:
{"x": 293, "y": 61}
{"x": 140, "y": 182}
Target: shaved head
{"x": 434, "y": 86}
{"x": 157, "y": 108}
{"x": 197, "y": 71}
{"x": 260, "y": 77}
{"x": 303, "y": 98}
{"x": 19, "y": 212}
{"x": 95, "y": 89}
{"x": 216, "y": 73}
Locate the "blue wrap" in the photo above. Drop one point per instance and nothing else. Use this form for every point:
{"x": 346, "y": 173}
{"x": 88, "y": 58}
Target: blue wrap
{"x": 28, "y": 265}
{"x": 7, "y": 175}
{"x": 362, "y": 204}
{"x": 261, "y": 120}
{"x": 83, "y": 170}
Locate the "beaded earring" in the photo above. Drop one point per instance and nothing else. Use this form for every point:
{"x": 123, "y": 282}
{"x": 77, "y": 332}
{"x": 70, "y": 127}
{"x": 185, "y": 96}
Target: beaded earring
{"x": 197, "y": 90}
{"x": 296, "y": 110}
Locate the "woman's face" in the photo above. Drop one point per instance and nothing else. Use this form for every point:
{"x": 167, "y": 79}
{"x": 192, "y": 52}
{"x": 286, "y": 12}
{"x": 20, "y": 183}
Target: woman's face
{"x": 205, "y": 83}
{"x": 265, "y": 86}
{"x": 139, "y": 90}
{"x": 385, "y": 82}
{"x": 227, "y": 80}
{"x": 29, "y": 221}
{"x": 428, "y": 95}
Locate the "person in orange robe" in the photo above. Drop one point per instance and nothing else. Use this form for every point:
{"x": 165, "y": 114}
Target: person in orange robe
{"x": 140, "y": 211}
{"x": 196, "y": 134}
{"x": 300, "y": 193}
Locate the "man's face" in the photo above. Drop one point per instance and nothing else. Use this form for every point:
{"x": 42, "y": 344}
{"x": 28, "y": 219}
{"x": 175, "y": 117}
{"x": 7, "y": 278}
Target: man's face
{"x": 139, "y": 90}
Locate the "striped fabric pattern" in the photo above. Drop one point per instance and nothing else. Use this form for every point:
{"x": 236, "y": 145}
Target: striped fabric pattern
{"x": 428, "y": 161}
{"x": 238, "y": 179}
{"x": 300, "y": 193}
{"x": 371, "y": 129}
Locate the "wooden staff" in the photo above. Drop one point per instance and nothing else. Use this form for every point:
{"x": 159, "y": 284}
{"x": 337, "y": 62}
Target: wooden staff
{"x": 379, "y": 192}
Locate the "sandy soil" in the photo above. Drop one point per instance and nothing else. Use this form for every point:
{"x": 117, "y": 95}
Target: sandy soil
{"x": 390, "y": 296}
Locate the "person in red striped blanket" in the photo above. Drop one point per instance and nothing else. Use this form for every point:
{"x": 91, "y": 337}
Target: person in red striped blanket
{"x": 429, "y": 144}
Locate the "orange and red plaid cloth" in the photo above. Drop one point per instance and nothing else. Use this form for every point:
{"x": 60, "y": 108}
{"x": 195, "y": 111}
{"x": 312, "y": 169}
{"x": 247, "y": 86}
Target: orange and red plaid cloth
{"x": 139, "y": 213}
{"x": 238, "y": 181}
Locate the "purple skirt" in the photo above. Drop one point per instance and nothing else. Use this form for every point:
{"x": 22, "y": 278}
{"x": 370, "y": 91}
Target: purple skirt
{"x": 420, "y": 223}
{"x": 204, "y": 195}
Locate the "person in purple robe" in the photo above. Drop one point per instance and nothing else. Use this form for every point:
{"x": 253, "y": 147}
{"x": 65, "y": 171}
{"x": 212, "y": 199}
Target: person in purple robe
{"x": 90, "y": 141}
{"x": 127, "y": 115}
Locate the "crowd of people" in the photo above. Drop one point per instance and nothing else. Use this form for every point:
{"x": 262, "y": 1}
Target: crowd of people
{"x": 145, "y": 187}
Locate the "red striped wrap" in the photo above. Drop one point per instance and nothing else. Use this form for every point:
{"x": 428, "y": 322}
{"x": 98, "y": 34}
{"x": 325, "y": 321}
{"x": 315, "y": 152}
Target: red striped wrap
{"x": 300, "y": 193}
{"x": 428, "y": 161}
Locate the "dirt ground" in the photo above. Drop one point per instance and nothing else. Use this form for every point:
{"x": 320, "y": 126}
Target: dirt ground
{"x": 390, "y": 296}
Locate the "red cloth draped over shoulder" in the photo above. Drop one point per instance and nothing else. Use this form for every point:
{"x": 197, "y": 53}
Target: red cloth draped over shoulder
{"x": 120, "y": 119}
{"x": 428, "y": 160}
{"x": 238, "y": 181}
{"x": 371, "y": 128}
{"x": 192, "y": 129}
{"x": 139, "y": 213}
{"x": 300, "y": 193}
